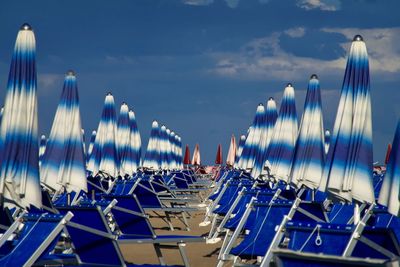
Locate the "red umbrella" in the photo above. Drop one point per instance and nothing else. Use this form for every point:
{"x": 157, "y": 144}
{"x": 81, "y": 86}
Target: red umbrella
{"x": 218, "y": 159}
{"x": 186, "y": 159}
{"x": 389, "y": 149}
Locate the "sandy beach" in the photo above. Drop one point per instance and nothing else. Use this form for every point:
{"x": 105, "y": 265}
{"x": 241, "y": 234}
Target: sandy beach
{"x": 199, "y": 254}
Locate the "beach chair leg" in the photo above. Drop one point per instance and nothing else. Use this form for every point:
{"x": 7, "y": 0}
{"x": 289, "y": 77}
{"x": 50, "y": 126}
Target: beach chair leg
{"x": 213, "y": 226}
{"x": 185, "y": 221}
{"x": 357, "y": 232}
{"x": 185, "y": 260}
{"x": 159, "y": 254}
{"x": 228, "y": 236}
{"x": 229, "y": 213}
{"x": 279, "y": 234}
{"x": 171, "y": 227}
{"x": 225, "y": 255}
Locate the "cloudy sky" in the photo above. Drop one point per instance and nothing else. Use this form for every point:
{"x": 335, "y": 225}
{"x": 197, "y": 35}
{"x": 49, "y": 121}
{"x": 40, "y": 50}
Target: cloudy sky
{"x": 202, "y": 66}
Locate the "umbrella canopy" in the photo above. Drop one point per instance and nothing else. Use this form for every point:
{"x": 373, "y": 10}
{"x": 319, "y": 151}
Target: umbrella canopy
{"x": 19, "y": 157}
{"x": 327, "y": 140}
{"x": 309, "y": 154}
{"x": 63, "y": 164}
{"x": 253, "y": 139}
{"x": 387, "y": 157}
{"x": 186, "y": 159}
{"x": 42, "y": 147}
{"x": 196, "y": 160}
{"x": 136, "y": 141}
{"x": 91, "y": 143}
{"x": 281, "y": 147}
{"x": 348, "y": 169}
{"x": 179, "y": 152}
{"x": 1, "y": 114}
{"x": 230, "y": 159}
{"x": 125, "y": 152}
{"x": 104, "y": 157}
{"x": 173, "y": 143}
{"x": 239, "y": 150}
{"x": 389, "y": 195}
{"x": 218, "y": 158}
{"x": 152, "y": 158}
{"x": 266, "y": 134}
{"x": 164, "y": 140}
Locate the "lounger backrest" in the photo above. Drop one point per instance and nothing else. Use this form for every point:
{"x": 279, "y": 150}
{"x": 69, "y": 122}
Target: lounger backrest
{"x": 91, "y": 247}
{"x": 335, "y": 237}
{"x": 39, "y": 232}
{"x": 130, "y": 223}
{"x": 146, "y": 196}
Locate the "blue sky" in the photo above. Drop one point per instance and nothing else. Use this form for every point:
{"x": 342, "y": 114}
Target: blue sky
{"x": 202, "y": 66}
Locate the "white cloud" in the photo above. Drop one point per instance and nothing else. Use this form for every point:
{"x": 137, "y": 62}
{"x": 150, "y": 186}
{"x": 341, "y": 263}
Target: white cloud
{"x": 232, "y": 3}
{"x": 229, "y": 3}
{"x": 265, "y": 59}
{"x": 296, "y": 32}
{"x": 325, "y": 5}
{"x": 382, "y": 46}
{"x": 198, "y": 2}
{"x": 48, "y": 81}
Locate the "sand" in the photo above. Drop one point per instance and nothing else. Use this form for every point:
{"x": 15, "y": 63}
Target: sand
{"x": 199, "y": 254}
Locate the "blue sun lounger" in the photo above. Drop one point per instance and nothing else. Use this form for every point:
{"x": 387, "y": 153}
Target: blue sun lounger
{"x": 89, "y": 231}
{"x": 269, "y": 216}
{"x": 33, "y": 241}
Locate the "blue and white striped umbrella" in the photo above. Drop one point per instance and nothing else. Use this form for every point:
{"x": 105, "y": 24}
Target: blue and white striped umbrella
{"x": 152, "y": 158}
{"x": 174, "y": 150}
{"x": 270, "y": 120}
{"x": 348, "y": 169}
{"x": 309, "y": 154}
{"x": 136, "y": 142}
{"x": 90, "y": 148}
{"x": 104, "y": 157}
{"x": 63, "y": 164}
{"x": 281, "y": 146}
{"x": 42, "y": 148}
{"x": 164, "y": 148}
{"x": 253, "y": 139}
{"x": 327, "y": 140}
{"x": 171, "y": 150}
{"x": 179, "y": 152}
{"x": 19, "y": 144}
{"x": 124, "y": 142}
{"x": 1, "y": 114}
{"x": 239, "y": 150}
{"x": 389, "y": 195}
{"x": 84, "y": 144}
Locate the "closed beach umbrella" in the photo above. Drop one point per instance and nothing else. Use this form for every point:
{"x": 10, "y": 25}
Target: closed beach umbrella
{"x": 230, "y": 159}
{"x": 19, "y": 144}
{"x": 389, "y": 195}
{"x": 348, "y": 168}
{"x": 63, "y": 165}
{"x": 309, "y": 156}
{"x": 281, "y": 146}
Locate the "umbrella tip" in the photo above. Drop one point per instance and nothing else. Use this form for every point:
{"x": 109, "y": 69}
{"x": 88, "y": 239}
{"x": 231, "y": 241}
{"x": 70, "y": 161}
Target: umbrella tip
{"x": 314, "y": 76}
{"x": 289, "y": 85}
{"x": 70, "y": 73}
{"x": 26, "y": 27}
{"x": 358, "y": 38}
